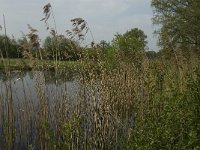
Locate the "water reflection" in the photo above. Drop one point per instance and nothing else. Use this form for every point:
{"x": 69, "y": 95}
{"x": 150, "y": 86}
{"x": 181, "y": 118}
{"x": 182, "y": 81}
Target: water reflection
{"x": 28, "y": 90}
{"x": 50, "y": 75}
{"x": 29, "y": 85}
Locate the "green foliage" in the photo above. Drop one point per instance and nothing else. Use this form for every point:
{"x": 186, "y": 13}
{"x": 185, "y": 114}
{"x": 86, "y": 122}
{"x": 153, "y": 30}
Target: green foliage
{"x": 9, "y": 48}
{"x": 179, "y": 22}
{"x": 131, "y": 45}
{"x": 109, "y": 54}
{"x": 72, "y": 134}
{"x": 173, "y": 120}
{"x": 61, "y": 47}
{"x": 104, "y": 45}
{"x": 30, "y": 147}
{"x": 90, "y": 54}
{"x": 139, "y": 36}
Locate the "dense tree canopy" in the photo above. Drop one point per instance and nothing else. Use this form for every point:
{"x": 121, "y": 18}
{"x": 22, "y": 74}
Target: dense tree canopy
{"x": 137, "y": 35}
{"x": 180, "y": 22}
{"x": 131, "y": 44}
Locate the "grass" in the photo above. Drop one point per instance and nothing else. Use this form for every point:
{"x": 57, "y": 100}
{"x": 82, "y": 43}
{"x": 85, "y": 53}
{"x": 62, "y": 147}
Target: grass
{"x": 17, "y": 64}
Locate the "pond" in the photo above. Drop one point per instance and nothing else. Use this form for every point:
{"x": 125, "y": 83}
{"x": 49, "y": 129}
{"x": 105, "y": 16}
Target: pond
{"x": 26, "y": 91}
{"x": 36, "y": 106}
{"x": 25, "y": 84}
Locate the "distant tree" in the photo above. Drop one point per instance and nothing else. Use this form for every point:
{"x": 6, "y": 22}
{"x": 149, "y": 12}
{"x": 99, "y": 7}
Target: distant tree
{"x": 67, "y": 49}
{"x": 139, "y": 36}
{"x": 131, "y": 45}
{"x": 9, "y": 47}
{"x": 105, "y": 47}
{"x": 179, "y": 21}
{"x": 104, "y": 44}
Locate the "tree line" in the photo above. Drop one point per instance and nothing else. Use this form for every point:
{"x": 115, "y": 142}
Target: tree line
{"x": 127, "y": 45}
{"x": 178, "y": 22}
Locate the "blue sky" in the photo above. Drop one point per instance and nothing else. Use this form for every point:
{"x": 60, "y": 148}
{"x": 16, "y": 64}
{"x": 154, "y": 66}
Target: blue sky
{"x": 105, "y": 17}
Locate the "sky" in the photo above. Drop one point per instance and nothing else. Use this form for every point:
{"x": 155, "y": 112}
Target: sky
{"x": 104, "y": 17}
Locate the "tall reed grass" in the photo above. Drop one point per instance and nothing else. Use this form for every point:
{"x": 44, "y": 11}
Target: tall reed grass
{"x": 151, "y": 107}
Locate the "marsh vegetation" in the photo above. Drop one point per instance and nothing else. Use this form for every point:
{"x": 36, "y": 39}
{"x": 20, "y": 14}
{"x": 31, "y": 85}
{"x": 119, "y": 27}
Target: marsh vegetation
{"x": 109, "y": 95}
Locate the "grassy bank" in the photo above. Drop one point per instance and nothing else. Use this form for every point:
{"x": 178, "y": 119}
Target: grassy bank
{"x": 20, "y": 64}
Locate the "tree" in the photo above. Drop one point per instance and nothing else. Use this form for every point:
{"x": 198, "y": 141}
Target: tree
{"x": 131, "y": 44}
{"x": 105, "y": 48}
{"x": 103, "y": 44}
{"x": 139, "y": 36}
{"x": 179, "y": 21}
{"x": 67, "y": 49}
{"x": 9, "y": 47}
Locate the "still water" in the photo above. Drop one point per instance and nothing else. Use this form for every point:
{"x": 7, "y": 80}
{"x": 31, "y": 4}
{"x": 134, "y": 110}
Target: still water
{"x": 26, "y": 89}
{"x": 25, "y": 85}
